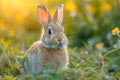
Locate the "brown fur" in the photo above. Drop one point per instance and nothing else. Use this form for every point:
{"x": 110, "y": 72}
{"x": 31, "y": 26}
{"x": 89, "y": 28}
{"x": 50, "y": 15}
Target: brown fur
{"x": 48, "y": 50}
{"x": 56, "y": 57}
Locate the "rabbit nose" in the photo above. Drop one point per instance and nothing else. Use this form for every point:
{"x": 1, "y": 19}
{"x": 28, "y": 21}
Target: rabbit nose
{"x": 60, "y": 43}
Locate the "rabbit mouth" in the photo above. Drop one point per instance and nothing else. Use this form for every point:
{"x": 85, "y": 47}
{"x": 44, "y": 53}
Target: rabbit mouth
{"x": 61, "y": 46}
{"x": 58, "y": 46}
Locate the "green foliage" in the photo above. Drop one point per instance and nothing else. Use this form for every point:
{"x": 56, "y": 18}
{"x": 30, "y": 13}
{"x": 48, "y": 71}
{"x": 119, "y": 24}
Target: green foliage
{"x": 94, "y": 53}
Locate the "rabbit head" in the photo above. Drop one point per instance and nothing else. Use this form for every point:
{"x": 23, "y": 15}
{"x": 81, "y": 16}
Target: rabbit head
{"x": 53, "y": 32}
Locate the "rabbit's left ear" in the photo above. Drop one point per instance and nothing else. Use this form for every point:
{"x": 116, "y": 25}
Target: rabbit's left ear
{"x": 43, "y": 14}
{"x": 58, "y": 16}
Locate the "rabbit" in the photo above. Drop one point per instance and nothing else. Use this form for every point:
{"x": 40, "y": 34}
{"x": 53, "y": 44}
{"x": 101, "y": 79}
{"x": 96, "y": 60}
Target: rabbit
{"x": 52, "y": 47}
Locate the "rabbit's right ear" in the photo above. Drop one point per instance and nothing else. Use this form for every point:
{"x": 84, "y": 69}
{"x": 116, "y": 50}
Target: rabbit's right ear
{"x": 43, "y": 14}
{"x": 58, "y": 16}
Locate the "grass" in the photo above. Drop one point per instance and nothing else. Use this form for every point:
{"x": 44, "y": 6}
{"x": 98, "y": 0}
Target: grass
{"x": 94, "y": 53}
{"x": 85, "y": 63}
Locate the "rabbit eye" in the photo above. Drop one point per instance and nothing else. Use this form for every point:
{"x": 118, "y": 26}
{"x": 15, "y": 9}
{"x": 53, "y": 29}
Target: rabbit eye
{"x": 49, "y": 31}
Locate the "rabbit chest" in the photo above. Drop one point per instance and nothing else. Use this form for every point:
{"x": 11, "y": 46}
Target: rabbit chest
{"x": 40, "y": 55}
{"x": 56, "y": 57}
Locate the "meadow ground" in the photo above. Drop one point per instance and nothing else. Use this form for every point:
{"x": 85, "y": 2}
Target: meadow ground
{"x": 92, "y": 27}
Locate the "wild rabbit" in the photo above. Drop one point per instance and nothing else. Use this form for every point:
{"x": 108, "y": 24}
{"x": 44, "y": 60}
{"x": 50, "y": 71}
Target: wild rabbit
{"x": 51, "y": 49}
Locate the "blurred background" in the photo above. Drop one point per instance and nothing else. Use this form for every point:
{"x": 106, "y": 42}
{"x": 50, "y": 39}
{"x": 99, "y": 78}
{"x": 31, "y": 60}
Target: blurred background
{"x": 85, "y": 22}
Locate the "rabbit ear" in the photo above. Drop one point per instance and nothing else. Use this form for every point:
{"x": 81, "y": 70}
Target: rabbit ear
{"x": 58, "y": 16}
{"x": 43, "y": 14}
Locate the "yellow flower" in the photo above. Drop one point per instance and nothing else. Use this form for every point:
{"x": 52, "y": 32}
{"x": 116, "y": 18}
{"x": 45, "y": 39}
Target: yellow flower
{"x": 11, "y": 33}
{"x": 70, "y": 5}
{"x": 9, "y": 77}
{"x": 99, "y": 45}
{"x": 90, "y": 9}
{"x": 18, "y": 17}
{"x": 105, "y": 7}
{"x": 21, "y": 57}
{"x": 2, "y": 25}
{"x": 115, "y": 31}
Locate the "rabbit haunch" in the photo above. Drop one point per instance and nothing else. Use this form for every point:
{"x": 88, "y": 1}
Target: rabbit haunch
{"x": 51, "y": 49}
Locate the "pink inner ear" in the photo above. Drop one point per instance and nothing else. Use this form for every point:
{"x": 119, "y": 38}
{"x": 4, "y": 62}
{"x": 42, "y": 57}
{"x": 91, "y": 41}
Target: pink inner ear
{"x": 59, "y": 15}
{"x": 42, "y": 15}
